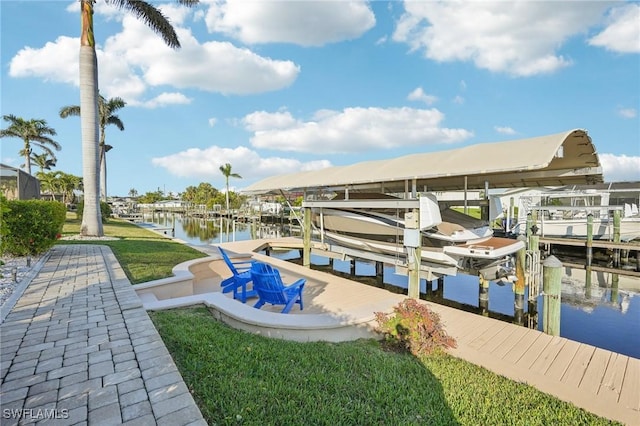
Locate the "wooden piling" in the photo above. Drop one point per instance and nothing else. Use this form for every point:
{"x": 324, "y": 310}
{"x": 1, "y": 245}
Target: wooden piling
{"x": 520, "y": 284}
{"x": 440, "y": 288}
{"x": 306, "y": 238}
{"x": 552, "y": 285}
{"x": 589, "y": 239}
{"x": 483, "y": 295}
{"x": 413, "y": 290}
{"x": 380, "y": 272}
{"x": 616, "y": 238}
{"x": 521, "y": 259}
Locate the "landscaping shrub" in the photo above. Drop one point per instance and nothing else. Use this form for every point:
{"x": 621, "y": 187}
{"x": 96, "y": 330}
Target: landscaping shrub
{"x": 30, "y": 226}
{"x": 105, "y": 211}
{"x": 414, "y": 327}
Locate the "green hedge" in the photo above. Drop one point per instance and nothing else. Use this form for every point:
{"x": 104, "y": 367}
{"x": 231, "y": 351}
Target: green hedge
{"x": 30, "y": 226}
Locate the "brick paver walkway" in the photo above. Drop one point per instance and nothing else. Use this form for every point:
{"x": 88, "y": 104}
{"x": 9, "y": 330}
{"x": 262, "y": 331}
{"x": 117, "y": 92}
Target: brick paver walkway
{"x": 78, "y": 348}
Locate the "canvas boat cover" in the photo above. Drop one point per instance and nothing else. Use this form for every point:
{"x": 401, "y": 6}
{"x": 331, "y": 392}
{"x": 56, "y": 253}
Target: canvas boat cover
{"x": 567, "y": 158}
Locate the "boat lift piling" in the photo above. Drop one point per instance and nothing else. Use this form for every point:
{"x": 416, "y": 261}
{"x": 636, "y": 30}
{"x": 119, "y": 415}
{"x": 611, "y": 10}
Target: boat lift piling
{"x": 483, "y": 296}
{"x": 552, "y": 282}
{"x": 589, "y": 239}
{"x": 616, "y": 238}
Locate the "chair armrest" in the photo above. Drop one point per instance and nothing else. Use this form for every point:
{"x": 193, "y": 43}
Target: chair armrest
{"x": 300, "y": 283}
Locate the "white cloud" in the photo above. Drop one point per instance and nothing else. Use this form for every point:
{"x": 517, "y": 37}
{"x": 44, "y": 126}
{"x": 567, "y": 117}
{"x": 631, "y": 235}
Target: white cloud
{"x": 618, "y": 168}
{"x": 504, "y": 130}
{"x": 165, "y": 99}
{"x": 211, "y": 66}
{"x": 419, "y": 95}
{"x": 55, "y": 61}
{"x": 304, "y": 23}
{"x": 212, "y": 121}
{"x": 136, "y": 59}
{"x": 205, "y": 163}
{"x": 459, "y": 100}
{"x": 351, "y": 130}
{"x": 263, "y": 121}
{"x": 520, "y": 38}
{"x": 622, "y": 33}
{"x": 627, "y": 112}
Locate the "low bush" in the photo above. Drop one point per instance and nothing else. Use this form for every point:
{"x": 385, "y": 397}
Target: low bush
{"x": 413, "y": 327}
{"x": 30, "y": 227}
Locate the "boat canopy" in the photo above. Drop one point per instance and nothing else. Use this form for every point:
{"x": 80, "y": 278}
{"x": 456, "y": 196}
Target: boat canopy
{"x": 560, "y": 159}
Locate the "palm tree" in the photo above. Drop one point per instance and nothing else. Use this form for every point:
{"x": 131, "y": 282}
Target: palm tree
{"x": 226, "y": 171}
{"x": 91, "y": 218}
{"x": 44, "y": 161}
{"x": 106, "y": 109}
{"x": 68, "y": 184}
{"x": 32, "y": 132}
{"x": 49, "y": 182}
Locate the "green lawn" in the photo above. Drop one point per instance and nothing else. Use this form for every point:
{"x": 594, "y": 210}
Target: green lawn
{"x": 143, "y": 254}
{"x": 240, "y": 378}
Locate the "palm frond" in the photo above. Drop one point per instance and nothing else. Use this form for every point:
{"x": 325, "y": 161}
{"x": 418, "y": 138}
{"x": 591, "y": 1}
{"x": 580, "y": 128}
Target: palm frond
{"x": 152, "y": 17}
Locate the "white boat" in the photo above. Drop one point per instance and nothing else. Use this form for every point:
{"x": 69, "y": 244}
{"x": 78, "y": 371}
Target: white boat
{"x": 563, "y": 212}
{"x": 455, "y": 239}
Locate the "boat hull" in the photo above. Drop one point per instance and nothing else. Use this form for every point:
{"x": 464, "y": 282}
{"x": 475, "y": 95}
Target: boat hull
{"x": 478, "y": 252}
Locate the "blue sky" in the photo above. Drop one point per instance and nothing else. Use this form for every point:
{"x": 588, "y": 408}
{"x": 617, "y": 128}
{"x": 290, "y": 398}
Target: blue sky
{"x": 280, "y": 86}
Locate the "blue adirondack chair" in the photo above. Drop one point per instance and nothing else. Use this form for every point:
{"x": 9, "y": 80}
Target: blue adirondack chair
{"x": 270, "y": 288}
{"x": 240, "y": 279}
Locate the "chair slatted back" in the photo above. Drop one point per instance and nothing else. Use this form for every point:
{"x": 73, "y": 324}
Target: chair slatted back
{"x": 268, "y": 284}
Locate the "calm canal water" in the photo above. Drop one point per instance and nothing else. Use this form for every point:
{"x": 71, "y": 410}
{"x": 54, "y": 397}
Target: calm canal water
{"x": 599, "y": 315}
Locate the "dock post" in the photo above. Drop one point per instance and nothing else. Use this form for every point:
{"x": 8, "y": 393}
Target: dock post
{"x": 483, "y": 295}
{"x": 380, "y": 272}
{"x": 440, "y": 288}
{"x": 352, "y": 267}
{"x": 616, "y": 238}
{"x": 587, "y": 283}
{"x": 552, "y": 285}
{"x": 414, "y": 255}
{"x": 589, "y": 239}
{"x": 521, "y": 281}
{"x": 638, "y": 260}
{"x": 414, "y": 273}
{"x": 306, "y": 239}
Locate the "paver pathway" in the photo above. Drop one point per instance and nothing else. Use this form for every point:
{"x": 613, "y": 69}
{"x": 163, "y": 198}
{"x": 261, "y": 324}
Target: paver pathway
{"x": 78, "y": 348}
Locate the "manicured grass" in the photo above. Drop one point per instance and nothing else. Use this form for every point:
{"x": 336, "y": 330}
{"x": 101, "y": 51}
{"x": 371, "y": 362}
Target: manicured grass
{"x": 143, "y": 254}
{"x": 241, "y": 378}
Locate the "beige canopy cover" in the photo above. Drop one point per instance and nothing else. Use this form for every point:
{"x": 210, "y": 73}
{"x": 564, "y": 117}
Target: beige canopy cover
{"x": 553, "y": 160}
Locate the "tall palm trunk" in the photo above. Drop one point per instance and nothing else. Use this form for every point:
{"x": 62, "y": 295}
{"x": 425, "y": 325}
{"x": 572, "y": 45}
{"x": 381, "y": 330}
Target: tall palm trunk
{"x": 91, "y": 218}
{"x": 103, "y": 174}
{"x": 27, "y": 159}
